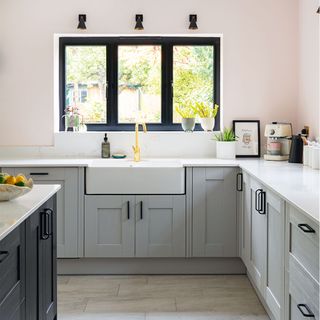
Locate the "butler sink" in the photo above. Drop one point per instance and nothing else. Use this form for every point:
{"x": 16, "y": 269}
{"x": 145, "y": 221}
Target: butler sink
{"x": 110, "y": 176}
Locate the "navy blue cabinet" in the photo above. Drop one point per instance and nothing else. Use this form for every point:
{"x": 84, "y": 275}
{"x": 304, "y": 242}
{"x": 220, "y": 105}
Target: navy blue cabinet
{"x": 28, "y": 271}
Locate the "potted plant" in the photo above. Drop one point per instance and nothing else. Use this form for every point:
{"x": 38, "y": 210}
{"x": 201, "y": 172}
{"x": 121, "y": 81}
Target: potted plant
{"x": 207, "y": 115}
{"x": 226, "y": 144}
{"x": 188, "y": 114}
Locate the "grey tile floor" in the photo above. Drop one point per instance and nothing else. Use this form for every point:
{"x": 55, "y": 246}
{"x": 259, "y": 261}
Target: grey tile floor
{"x": 158, "y": 297}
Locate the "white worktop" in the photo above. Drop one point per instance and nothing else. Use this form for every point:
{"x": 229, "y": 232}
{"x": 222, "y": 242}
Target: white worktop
{"x": 297, "y": 184}
{"x": 14, "y": 212}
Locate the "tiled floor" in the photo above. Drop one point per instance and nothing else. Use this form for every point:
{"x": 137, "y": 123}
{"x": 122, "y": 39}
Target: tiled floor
{"x": 158, "y": 297}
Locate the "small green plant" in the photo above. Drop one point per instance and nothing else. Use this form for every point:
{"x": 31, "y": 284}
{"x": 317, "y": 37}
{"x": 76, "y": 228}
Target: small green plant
{"x": 226, "y": 135}
{"x": 186, "y": 111}
{"x": 205, "y": 110}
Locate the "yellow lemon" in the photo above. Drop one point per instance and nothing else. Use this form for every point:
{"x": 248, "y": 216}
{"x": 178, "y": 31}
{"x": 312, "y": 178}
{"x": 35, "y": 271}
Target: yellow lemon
{"x": 11, "y": 180}
{"x": 20, "y": 178}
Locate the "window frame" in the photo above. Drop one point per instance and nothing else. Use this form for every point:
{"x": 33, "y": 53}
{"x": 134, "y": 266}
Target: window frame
{"x": 112, "y": 43}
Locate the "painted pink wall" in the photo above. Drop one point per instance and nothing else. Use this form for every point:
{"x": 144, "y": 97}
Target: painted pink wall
{"x": 259, "y": 54}
{"x": 309, "y": 66}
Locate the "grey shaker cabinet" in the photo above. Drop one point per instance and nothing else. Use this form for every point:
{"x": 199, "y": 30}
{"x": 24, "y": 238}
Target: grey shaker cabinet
{"x": 214, "y": 212}
{"x": 109, "y": 226}
{"x": 245, "y": 219}
{"x": 134, "y": 226}
{"x": 258, "y": 240}
{"x": 160, "y": 226}
{"x": 264, "y": 256}
{"x": 69, "y": 201}
{"x": 274, "y": 296}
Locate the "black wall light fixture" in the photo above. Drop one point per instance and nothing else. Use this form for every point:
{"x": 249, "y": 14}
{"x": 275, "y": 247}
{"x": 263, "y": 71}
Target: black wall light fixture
{"x": 82, "y": 22}
{"x": 193, "y": 22}
{"x": 139, "y": 19}
{"x": 318, "y": 11}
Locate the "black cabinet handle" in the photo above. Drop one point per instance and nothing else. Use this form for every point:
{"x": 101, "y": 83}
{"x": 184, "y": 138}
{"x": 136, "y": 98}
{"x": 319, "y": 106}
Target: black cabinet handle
{"x": 39, "y": 174}
{"x": 240, "y": 181}
{"x": 46, "y": 224}
{"x": 306, "y": 228}
{"x": 128, "y": 210}
{"x": 263, "y": 202}
{"x": 141, "y": 210}
{"x": 304, "y": 309}
{"x": 257, "y": 200}
{"x": 4, "y": 255}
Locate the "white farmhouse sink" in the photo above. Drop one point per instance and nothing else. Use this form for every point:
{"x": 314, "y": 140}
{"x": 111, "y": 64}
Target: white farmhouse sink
{"x": 110, "y": 176}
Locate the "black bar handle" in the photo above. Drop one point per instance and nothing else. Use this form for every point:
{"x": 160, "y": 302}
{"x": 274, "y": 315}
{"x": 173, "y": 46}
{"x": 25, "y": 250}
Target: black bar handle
{"x": 43, "y": 228}
{"x": 39, "y": 174}
{"x": 257, "y": 200}
{"x": 306, "y": 228}
{"x": 46, "y": 224}
{"x": 4, "y": 255}
{"x": 128, "y": 210}
{"x": 239, "y": 181}
{"x": 49, "y": 213}
{"x": 304, "y": 309}
{"x": 263, "y": 202}
{"x": 141, "y": 210}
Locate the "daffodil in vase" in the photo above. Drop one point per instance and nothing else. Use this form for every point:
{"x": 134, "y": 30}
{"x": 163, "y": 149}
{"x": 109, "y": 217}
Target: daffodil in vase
{"x": 207, "y": 115}
{"x": 188, "y": 115}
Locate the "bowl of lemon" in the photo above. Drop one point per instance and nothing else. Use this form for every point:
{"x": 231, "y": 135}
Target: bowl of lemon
{"x": 12, "y": 187}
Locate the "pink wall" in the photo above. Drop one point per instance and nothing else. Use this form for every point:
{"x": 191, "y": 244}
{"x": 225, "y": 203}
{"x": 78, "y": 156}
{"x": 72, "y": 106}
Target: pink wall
{"x": 309, "y": 66}
{"x": 259, "y": 54}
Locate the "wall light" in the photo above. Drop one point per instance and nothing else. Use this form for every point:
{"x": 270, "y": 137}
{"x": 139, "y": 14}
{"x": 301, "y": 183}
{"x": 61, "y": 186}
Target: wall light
{"x": 139, "y": 19}
{"x": 82, "y": 22}
{"x": 318, "y": 11}
{"x": 193, "y": 22}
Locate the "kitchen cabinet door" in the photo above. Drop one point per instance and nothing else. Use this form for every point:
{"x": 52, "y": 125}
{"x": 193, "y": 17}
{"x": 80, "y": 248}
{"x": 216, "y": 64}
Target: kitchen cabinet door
{"x": 109, "y": 226}
{"x": 245, "y": 219}
{"x": 275, "y": 211}
{"x": 68, "y": 201}
{"x": 12, "y": 275}
{"x": 41, "y": 267}
{"x": 258, "y": 239}
{"x": 215, "y": 232}
{"x": 160, "y": 226}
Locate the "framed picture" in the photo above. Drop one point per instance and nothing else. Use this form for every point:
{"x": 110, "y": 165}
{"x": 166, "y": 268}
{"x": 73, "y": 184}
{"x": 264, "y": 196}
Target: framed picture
{"x": 248, "y": 138}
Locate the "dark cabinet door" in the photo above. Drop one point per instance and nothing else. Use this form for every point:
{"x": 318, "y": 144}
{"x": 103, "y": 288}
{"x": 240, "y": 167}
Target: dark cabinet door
{"x": 41, "y": 263}
{"x": 12, "y": 275}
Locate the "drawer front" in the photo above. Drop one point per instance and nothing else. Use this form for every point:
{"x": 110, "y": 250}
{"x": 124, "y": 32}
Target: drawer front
{"x": 304, "y": 241}
{"x": 12, "y": 277}
{"x": 303, "y": 292}
{"x": 39, "y": 174}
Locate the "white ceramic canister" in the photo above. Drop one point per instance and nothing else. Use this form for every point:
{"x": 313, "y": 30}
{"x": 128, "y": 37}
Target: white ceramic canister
{"x": 315, "y": 155}
{"x": 306, "y": 151}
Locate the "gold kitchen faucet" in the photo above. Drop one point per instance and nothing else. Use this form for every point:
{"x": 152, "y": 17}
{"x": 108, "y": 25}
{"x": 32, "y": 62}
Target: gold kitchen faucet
{"x": 136, "y": 148}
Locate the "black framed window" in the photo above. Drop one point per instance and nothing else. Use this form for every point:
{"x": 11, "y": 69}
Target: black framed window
{"x": 114, "y": 80}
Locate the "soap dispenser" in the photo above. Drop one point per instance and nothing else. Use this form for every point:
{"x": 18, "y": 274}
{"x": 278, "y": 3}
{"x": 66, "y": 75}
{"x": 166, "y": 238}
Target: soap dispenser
{"x": 105, "y": 147}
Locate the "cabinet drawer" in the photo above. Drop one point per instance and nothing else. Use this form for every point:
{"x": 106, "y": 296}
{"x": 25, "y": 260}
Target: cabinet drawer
{"x": 304, "y": 241}
{"x": 40, "y": 174}
{"x": 303, "y": 292}
{"x": 12, "y": 278}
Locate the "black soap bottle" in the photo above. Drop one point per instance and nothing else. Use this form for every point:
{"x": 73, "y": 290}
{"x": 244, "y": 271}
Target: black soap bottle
{"x": 105, "y": 147}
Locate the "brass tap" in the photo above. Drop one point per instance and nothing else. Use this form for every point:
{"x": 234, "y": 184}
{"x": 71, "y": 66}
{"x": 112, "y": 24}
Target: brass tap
{"x": 136, "y": 148}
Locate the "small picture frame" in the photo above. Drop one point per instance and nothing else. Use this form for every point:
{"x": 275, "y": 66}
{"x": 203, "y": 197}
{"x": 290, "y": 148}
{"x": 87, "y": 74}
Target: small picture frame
{"x": 248, "y": 138}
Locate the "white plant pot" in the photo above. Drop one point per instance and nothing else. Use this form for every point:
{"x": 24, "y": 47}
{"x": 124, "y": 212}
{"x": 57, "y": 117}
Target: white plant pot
{"x": 226, "y": 149}
{"x": 207, "y": 124}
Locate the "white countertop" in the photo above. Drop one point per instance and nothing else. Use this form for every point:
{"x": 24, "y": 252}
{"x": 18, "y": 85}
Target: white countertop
{"x": 14, "y": 212}
{"x": 297, "y": 184}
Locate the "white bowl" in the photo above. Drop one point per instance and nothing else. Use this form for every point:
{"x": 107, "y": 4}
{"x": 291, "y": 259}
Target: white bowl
{"x": 10, "y": 192}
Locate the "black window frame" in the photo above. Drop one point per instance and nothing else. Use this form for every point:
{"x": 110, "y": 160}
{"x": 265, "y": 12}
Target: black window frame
{"x": 167, "y": 44}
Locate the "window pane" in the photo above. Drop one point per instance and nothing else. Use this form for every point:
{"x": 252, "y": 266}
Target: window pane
{"x": 139, "y": 83}
{"x": 192, "y": 76}
{"x": 86, "y": 81}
